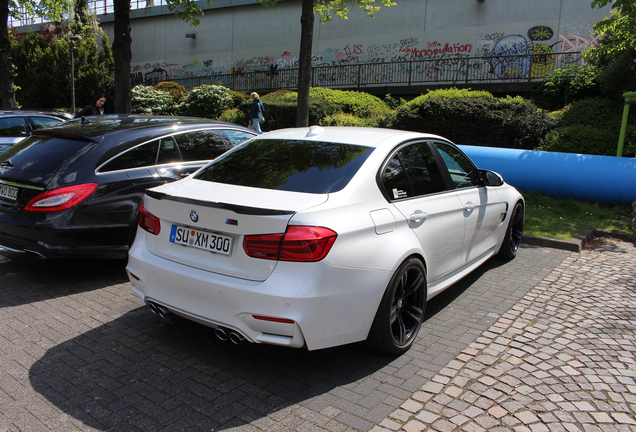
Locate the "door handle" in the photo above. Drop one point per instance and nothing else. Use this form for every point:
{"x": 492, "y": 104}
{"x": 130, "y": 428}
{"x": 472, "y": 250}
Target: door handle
{"x": 418, "y": 216}
{"x": 469, "y": 206}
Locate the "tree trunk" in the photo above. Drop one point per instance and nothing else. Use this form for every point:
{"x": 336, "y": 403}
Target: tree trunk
{"x": 6, "y": 67}
{"x": 304, "y": 62}
{"x": 122, "y": 55}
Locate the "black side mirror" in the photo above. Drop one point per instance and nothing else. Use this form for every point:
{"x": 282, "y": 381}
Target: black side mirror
{"x": 491, "y": 178}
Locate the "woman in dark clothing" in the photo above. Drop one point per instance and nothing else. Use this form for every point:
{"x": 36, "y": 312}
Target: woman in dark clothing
{"x": 256, "y": 113}
{"x": 96, "y": 108}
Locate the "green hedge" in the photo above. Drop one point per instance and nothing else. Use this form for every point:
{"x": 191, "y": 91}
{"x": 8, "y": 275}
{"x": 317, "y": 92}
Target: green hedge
{"x": 475, "y": 118}
{"x": 326, "y": 107}
{"x": 591, "y": 126}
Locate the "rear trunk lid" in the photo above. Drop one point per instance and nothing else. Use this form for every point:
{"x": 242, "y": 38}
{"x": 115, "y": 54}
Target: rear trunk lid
{"x": 203, "y": 224}
{"x": 27, "y": 168}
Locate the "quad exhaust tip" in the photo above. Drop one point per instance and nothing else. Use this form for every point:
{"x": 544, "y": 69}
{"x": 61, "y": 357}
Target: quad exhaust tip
{"x": 233, "y": 336}
{"x": 222, "y": 333}
{"x": 162, "y": 311}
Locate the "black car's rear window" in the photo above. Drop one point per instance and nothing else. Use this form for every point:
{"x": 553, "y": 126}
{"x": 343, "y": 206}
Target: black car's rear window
{"x": 298, "y": 166}
{"x": 46, "y": 154}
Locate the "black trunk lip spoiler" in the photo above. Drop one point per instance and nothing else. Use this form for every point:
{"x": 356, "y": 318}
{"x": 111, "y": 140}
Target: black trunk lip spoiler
{"x": 239, "y": 209}
{"x": 56, "y": 134}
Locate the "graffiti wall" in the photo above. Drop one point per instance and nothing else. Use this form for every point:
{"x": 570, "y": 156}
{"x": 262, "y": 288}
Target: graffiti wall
{"x": 551, "y": 41}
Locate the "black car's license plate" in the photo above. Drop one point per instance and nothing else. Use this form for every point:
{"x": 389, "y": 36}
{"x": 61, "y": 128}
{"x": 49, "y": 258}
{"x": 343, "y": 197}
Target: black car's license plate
{"x": 212, "y": 242}
{"x": 8, "y": 192}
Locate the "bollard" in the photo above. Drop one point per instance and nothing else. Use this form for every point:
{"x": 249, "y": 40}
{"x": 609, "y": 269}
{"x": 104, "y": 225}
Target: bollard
{"x": 630, "y": 98}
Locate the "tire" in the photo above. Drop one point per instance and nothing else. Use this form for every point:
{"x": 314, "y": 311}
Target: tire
{"x": 514, "y": 231}
{"x": 401, "y": 311}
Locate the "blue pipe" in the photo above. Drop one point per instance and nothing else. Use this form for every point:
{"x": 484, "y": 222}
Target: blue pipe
{"x": 603, "y": 179}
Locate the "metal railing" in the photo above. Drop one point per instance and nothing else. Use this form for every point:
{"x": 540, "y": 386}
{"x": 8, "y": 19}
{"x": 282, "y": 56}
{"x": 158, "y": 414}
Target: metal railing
{"x": 455, "y": 70}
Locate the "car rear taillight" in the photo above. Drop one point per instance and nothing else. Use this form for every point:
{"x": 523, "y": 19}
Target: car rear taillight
{"x": 60, "y": 199}
{"x": 299, "y": 243}
{"x": 148, "y": 221}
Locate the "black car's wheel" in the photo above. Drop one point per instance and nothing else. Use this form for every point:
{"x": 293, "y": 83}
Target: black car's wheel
{"x": 401, "y": 310}
{"x": 514, "y": 231}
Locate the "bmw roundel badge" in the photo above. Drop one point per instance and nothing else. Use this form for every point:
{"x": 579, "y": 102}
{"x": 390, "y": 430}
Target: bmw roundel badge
{"x": 194, "y": 217}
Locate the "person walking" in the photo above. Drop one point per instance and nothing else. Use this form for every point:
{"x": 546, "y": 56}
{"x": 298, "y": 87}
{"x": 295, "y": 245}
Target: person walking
{"x": 95, "y": 108}
{"x": 257, "y": 113}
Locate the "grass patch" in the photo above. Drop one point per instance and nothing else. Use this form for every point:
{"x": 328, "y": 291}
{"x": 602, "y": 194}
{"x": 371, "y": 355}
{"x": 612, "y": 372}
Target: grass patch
{"x": 563, "y": 219}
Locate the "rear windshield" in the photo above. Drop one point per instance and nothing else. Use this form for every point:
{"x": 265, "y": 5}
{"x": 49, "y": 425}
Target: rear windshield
{"x": 46, "y": 154}
{"x": 298, "y": 166}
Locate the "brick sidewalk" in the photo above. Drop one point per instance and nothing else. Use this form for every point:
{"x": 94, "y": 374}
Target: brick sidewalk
{"x": 79, "y": 352}
{"x": 562, "y": 359}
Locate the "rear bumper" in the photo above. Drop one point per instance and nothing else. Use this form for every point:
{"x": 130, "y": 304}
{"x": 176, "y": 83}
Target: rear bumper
{"x": 45, "y": 238}
{"x": 312, "y": 304}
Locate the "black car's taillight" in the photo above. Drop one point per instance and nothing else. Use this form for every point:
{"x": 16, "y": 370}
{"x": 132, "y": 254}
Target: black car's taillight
{"x": 60, "y": 199}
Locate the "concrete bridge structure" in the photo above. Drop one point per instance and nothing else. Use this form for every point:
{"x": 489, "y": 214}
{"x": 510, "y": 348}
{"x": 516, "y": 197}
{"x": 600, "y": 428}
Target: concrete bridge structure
{"x": 499, "y": 45}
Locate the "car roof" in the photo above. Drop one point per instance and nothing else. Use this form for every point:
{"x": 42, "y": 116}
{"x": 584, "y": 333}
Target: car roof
{"x": 97, "y": 126}
{"x": 366, "y": 136}
{"x": 35, "y": 112}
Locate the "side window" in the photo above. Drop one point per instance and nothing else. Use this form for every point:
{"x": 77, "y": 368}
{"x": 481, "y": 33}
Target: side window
{"x": 236, "y": 136}
{"x": 462, "y": 171}
{"x": 168, "y": 151}
{"x": 201, "y": 145}
{"x": 395, "y": 180}
{"x": 412, "y": 172}
{"x": 43, "y": 122}
{"x": 137, "y": 157}
{"x": 13, "y": 127}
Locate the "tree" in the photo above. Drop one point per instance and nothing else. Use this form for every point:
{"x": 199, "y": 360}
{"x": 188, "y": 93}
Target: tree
{"x": 187, "y": 10}
{"x": 46, "y": 51}
{"x": 615, "y": 54}
{"x": 49, "y": 9}
{"x": 325, "y": 9}
{"x": 122, "y": 54}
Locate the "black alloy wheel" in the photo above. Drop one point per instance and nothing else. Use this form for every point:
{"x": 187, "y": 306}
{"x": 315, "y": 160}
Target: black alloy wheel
{"x": 401, "y": 310}
{"x": 514, "y": 231}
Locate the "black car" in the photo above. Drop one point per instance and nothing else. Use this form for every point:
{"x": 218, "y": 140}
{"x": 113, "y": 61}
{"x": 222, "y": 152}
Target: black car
{"x": 74, "y": 190}
{"x": 15, "y": 125}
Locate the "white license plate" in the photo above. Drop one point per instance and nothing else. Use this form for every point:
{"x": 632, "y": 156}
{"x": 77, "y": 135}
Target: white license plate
{"x": 9, "y": 192}
{"x": 212, "y": 242}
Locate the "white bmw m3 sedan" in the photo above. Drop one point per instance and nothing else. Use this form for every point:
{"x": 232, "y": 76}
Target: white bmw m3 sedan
{"x": 318, "y": 237}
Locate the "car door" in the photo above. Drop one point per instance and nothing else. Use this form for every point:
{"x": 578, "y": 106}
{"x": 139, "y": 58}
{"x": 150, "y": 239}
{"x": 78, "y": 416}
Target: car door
{"x": 125, "y": 179}
{"x": 480, "y": 206}
{"x": 415, "y": 185}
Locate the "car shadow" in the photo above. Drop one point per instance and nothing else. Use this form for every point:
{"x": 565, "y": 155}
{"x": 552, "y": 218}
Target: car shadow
{"x": 139, "y": 372}
{"x": 25, "y": 279}
{"x": 142, "y": 373}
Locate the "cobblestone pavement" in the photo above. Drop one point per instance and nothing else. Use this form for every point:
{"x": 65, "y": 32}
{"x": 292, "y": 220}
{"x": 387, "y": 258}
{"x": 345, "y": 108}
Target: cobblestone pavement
{"x": 544, "y": 342}
{"x": 562, "y": 359}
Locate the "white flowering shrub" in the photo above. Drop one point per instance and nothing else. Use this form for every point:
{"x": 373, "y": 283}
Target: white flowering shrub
{"x": 207, "y": 101}
{"x": 147, "y": 100}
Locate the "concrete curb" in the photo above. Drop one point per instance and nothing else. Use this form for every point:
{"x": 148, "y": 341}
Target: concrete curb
{"x": 574, "y": 245}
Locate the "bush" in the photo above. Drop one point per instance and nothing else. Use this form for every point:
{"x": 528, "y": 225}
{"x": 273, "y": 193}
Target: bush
{"x": 207, "y": 101}
{"x": 344, "y": 119}
{"x": 176, "y": 90}
{"x": 239, "y": 97}
{"x": 326, "y": 106}
{"x": 591, "y": 126}
{"x": 148, "y": 100}
{"x": 586, "y": 139}
{"x": 597, "y": 112}
{"x": 234, "y": 115}
{"x": 280, "y": 110}
{"x": 565, "y": 85}
{"x": 474, "y": 118}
